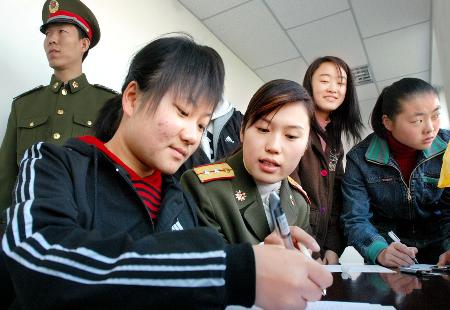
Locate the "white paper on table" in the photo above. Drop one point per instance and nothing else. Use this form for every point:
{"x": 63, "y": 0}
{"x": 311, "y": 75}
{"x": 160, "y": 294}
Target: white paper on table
{"x": 343, "y": 305}
{"x": 423, "y": 267}
{"x": 359, "y": 268}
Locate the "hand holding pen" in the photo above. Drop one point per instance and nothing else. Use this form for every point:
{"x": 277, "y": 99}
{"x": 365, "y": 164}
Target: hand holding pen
{"x": 284, "y": 231}
{"x": 397, "y": 239}
{"x": 397, "y": 254}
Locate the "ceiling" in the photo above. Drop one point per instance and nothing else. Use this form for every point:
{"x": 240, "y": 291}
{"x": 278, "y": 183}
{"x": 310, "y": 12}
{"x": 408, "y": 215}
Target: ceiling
{"x": 280, "y": 38}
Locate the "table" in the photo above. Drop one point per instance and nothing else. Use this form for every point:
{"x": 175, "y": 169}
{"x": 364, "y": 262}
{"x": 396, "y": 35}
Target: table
{"x": 403, "y": 291}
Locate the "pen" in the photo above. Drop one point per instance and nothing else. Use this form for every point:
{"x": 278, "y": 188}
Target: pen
{"x": 281, "y": 225}
{"x": 397, "y": 239}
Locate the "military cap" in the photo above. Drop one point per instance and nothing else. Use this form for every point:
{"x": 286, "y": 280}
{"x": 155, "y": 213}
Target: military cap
{"x": 72, "y": 12}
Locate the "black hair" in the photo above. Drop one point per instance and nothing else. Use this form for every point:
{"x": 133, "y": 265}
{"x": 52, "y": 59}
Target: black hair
{"x": 347, "y": 117}
{"x": 272, "y": 96}
{"x": 389, "y": 102}
{"x": 170, "y": 63}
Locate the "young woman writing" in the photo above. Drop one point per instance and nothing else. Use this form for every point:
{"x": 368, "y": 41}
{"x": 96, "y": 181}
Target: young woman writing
{"x": 102, "y": 223}
{"x": 391, "y": 179}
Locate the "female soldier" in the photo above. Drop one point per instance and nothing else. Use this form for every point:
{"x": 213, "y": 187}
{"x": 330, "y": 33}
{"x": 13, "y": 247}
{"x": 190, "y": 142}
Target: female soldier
{"x": 233, "y": 196}
{"x": 330, "y": 83}
{"x": 97, "y": 223}
{"x": 391, "y": 178}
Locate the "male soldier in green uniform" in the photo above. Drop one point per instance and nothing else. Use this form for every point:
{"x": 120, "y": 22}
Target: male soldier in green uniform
{"x": 65, "y": 108}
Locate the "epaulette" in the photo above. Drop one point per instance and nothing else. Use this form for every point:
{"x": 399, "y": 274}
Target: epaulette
{"x": 106, "y": 88}
{"x": 299, "y": 188}
{"x": 28, "y": 92}
{"x": 213, "y": 172}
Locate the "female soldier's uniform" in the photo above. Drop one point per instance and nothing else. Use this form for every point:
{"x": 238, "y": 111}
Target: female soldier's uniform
{"x": 229, "y": 201}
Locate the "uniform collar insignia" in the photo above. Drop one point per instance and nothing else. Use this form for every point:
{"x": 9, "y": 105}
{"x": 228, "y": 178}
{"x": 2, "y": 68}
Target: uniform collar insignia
{"x": 240, "y": 196}
{"x": 78, "y": 83}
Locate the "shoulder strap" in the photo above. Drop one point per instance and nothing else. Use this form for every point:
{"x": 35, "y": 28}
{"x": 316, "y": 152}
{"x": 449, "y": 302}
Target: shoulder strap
{"x": 110, "y": 90}
{"x": 28, "y": 92}
{"x": 213, "y": 172}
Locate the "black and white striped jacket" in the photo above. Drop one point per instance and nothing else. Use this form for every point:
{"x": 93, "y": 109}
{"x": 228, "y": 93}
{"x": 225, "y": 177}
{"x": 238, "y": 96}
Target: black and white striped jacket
{"x": 78, "y": 236}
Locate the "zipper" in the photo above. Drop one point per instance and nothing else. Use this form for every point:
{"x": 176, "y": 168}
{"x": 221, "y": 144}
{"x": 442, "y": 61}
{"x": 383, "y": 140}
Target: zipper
{"x": 408, "y": 186}
{"x": 408, "y": 191}
{"x": 125, "y": 177}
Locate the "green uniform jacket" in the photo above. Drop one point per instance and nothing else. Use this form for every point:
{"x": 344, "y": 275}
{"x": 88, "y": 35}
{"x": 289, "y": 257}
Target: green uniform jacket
{"x": 52, "y": 113}
{"x": 234, "y": 207}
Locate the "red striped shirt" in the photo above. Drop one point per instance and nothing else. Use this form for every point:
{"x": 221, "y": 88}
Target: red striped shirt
{"x": 148, "y": 188}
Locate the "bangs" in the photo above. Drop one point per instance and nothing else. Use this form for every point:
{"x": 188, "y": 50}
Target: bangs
{"x": 274, "y": 95}
{"x": 191, "y": 72}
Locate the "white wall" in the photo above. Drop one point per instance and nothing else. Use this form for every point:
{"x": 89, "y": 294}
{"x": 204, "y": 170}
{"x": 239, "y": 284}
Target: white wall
{"x": 125, "y": 26}
{"x": 440, "y": 68}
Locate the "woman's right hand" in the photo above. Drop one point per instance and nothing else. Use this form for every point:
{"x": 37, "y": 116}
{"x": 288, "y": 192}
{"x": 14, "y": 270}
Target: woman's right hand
{"x": 397, "y": 255}
{"x": 287, "y": 279}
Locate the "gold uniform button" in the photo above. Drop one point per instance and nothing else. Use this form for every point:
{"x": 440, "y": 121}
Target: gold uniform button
{"x": 64, "y": 92}
{"x": 89, "y": 123}
{"x": 31, "y": 124}
{"x": 60, "y": 111}
{"x": 56, "y": 136}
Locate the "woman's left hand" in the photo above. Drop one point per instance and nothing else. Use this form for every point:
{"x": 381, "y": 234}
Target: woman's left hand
{"x": 330, "y": 258}
{"x": 444, "y": 259}
{"x": 298, "y": 235}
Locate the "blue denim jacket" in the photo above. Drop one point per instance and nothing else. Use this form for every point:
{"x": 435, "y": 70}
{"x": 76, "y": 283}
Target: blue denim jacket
{"x": 376, "y": 198}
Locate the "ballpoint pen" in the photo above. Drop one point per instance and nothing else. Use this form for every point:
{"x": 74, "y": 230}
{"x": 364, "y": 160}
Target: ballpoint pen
{"x": 397, "y": 239}
{"x": 281, "y": 225}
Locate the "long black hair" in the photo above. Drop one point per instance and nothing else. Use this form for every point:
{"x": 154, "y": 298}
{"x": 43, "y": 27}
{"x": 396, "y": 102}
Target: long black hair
{"x": 389, "y": 102}
{"x": 347, "y": 117}
{"x": 171, "y": 63}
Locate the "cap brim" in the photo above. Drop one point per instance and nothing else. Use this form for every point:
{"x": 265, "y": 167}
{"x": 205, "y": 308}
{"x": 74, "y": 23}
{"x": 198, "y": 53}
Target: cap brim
{"x": 62, "y": 21}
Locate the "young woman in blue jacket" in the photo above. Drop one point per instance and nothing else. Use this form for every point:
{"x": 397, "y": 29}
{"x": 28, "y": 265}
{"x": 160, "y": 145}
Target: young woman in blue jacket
{"x": 101, "y": 223}
{"x": 391, "y": 177}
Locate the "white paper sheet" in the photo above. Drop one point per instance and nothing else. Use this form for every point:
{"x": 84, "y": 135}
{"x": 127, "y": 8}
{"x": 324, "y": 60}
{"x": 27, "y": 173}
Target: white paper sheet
{"x": 341, "y": 305}
{"x": 359, "y": 268}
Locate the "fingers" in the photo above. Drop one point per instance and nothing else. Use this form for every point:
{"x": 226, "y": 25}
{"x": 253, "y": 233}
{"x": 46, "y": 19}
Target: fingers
{"x": 299, "y": 235}
{"x": 279, "y": 285}
{"x": 404, "y": 253}
{"x": 441, "y": 261}
{"x": 444, "y": 259}
{"x": 330, "y": 257}
{"x": 274, "y": 239}
{"x": 319, "y": 275}
{"x": 396, "y": 261}
{"x": 392, "y": 257}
